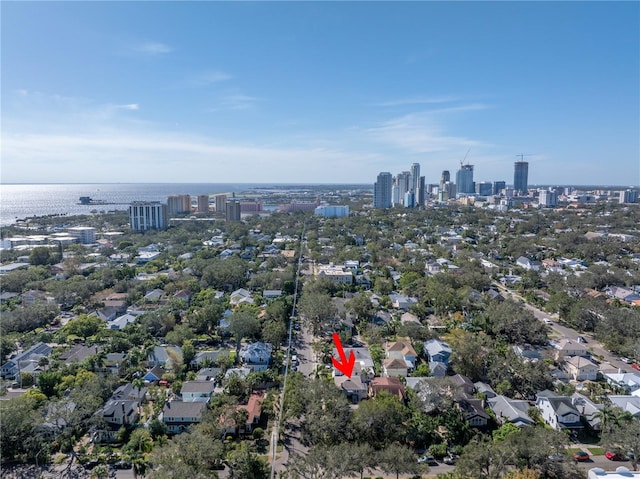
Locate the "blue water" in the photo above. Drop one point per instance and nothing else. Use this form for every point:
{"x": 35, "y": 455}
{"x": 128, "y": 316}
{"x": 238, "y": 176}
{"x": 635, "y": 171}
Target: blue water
{"x": 21, "y": 201}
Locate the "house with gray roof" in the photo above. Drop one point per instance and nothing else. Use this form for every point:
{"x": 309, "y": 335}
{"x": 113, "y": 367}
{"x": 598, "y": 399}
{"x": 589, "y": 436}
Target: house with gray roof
{"x": 558, "y": 411}
{"x": 510, "y": 410}
{"x": 437, "y": 351}
{"x": 178, "y": 416}
{"x": 197, "y": 391}
{"x": 22, "y": 361}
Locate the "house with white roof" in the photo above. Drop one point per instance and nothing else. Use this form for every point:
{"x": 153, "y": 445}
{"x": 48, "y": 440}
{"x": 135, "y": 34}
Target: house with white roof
{"x": 256, "y": 356}
{"x": 629, "y": 381}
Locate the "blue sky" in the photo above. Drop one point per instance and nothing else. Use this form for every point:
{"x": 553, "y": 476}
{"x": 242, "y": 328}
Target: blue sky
{"x": 324, "y": 92}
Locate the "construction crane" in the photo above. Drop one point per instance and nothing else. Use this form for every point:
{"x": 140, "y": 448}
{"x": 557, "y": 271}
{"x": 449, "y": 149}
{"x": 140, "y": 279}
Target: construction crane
{"x": 465, "y": 157}
{"x": 522, "y": 155}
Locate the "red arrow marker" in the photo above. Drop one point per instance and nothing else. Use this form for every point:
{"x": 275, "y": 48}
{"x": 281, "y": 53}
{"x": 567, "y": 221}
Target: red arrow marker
{"x": 344, "y": 366}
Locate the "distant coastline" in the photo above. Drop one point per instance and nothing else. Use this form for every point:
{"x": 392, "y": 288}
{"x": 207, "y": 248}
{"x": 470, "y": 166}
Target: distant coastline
{"x": 25, "y": 200}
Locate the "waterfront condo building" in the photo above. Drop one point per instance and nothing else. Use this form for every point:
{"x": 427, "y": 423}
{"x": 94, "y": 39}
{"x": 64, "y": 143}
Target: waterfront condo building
{"x": 148, "y": 215}
{"x": 521, "y": 177}
{"x": 84, "y": 234}
{"x": 382, "y": 190}
{"x": 177, "y": 204}
{"x": 203, "y": 203}
{"x": 221, "y": 202}
{"x": 232, "y": 210}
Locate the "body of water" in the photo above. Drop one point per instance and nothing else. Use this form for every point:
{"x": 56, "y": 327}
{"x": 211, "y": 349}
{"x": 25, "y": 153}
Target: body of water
{"x": 23, "y": 201}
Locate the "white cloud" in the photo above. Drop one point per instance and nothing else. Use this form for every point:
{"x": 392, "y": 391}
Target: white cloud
{"x": 152, "y": 48}
{"x": 418, "y": 133}
{"x": 417, "y": 100}
{"x": 210, "y": 78}
{"x": 129, "y": 106}
{"x": 237, "y": 102}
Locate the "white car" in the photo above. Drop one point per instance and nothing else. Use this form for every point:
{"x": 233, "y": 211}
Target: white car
{"x": 547, "y": 321}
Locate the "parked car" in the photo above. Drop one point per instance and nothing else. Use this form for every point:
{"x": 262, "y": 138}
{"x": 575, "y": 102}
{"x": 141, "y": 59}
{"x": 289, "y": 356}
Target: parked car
{"x": 613, "y": 456}
{"x": 450, "y": 459}
{"x": 581, "y": 339}
{"x": 581, "y": 456}
{"x": 625, "y": 360}
{"x": 636, "y": 366}
{"x": 557, "y": 457}
{"x": 430, "y": 460}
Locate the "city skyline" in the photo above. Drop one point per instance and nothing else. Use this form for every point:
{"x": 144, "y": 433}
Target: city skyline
{"x": 319, "y": 92}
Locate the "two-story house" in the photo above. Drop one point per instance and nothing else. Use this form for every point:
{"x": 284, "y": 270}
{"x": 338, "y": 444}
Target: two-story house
{"x": 256, "y": 356}
{"x": 581, "y": 369}
{"x": 179, "y": 415}
{"x": 197, "y": 391}
{"x": 558, "y": 411}
{"x": 437, "y": 351}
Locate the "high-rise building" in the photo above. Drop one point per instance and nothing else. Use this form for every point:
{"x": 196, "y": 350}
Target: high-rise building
{"x": 148, "y": 215}
{"x": 498, "y": 187}
{"x": 421, "y": 194}
{"x": 382, "y": 190}
{"x": 178, "y": 204}
{"x": 521, "y": 177}
{"x": 446, "y": 176}
{"x": 403, "y": 182}
{"x": 547, "y": 198}
{"x": 203, "y": 203}
{"x": 464, "y": 179}
{"x": 221, "y": 201}
{"x": 232, "y": 210}
{"x": 85, "y": 234}
{"x": 628, "y": 196}
{"x": 409, "y": 199}
{"x": 415, "y": 182}
{"x": 484, "y": 188}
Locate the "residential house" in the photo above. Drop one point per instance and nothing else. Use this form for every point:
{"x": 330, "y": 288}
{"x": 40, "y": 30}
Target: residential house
{"x": 209, "y": 374}
{"x": 240, "y": 296}
{"x": 628, "y": 403}
{"x": 437, "y": 351}
{"x": 129, "y": 392}
{"x": 207, "y": 357}
{"x": 121, "y": 322}
{"x": 337, "y": 274}
{"x": 402, "y": 349}
{"x": 558, "y": 411}
{"x": 527, "y": 264}
{"x": 588, "y": 410}
{"x": 113, "y": 363}
{"x": 464, "y": 383}
{"x": 197, "y": 391}
{"x": 353, "y": 388}
{"x": 402, "y": 302}
{"x": 271, "y": 293}
{"x": 484, "y": 388}
{"x": 629, "y": 381}
{"x": 183, "y": 295}
{"x": 240, "y": 372}
{"x": 154, "y": 296}
{"x": 389, "y": 385}
{"x": 155, "y": 374}
{"x": 438, "y": 370}
{"x": 408, "y": 318}
{"x": 510, "y": 410}
{"x": 527, "y": 352}
{"x": 254, "y": 408}
{"x": 581, "y": 369}
{"x": 256, "y": 356}
{"x": 473, "y": 411}
{"x": 78, "y": 353}
{"x": 22, "y": 361}
{"x": 363, "y": 360}
{"x": 394, "y": 367}
{"x": 569, "y": 347}
{"x": 178, "y": 416}
{"x": 116, "y": 414}
{"x": 160, "y": 355}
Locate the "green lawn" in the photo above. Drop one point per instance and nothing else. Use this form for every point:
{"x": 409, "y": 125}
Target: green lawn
{"x": 596, "y": 451}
